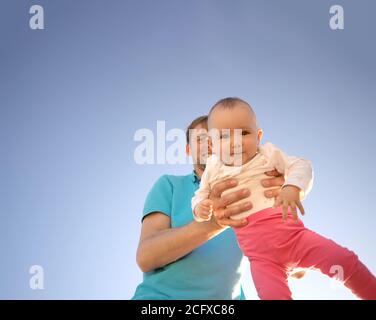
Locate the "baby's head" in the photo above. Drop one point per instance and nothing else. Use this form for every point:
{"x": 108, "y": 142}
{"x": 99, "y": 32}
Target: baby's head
{"x": 225, "y": 117}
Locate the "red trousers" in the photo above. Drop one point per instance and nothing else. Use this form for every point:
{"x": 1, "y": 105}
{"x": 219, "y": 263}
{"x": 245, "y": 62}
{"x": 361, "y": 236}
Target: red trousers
{"x": 274, "y": 247}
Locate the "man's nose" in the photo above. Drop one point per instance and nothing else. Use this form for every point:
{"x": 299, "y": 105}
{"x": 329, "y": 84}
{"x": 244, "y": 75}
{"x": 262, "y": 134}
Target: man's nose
{"x": 210, "y": 149}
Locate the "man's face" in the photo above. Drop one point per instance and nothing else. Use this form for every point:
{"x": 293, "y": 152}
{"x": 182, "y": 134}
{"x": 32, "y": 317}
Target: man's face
{"x": 198, "y": 146}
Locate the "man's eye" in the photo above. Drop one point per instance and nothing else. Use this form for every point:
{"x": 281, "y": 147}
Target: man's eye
{"x": 202, "y": 138}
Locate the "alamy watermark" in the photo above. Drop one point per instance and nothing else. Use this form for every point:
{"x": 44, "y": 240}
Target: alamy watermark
{"x": 36, "y": 21}
{"x": 170, "y": 147}
{"x": 36, "y": 281}
{"x": 337, "y": 20}
{"x": 338, "y": 277}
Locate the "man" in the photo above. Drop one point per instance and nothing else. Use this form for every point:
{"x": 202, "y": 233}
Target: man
{"x": 184, "y": 259}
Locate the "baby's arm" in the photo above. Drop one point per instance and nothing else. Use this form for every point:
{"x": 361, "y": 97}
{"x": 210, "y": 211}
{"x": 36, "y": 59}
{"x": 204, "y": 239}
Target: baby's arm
{"x": 298, "y": 180}
{"x": 202, "y": 207}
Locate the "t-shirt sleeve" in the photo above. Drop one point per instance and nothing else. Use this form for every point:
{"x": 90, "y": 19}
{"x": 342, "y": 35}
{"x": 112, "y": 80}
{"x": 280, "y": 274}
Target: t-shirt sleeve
{"x": 159, "y": 198}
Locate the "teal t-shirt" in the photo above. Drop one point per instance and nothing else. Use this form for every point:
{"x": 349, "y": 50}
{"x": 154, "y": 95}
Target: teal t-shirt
{"x": 211, "y": 271}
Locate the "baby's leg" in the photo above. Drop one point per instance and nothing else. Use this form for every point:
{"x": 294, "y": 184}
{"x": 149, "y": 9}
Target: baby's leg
{"x": 270, "y": 280}
{"x": 313, "y": 250}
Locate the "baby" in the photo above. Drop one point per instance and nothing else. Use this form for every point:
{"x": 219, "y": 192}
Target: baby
{"x": 274, "y": 240}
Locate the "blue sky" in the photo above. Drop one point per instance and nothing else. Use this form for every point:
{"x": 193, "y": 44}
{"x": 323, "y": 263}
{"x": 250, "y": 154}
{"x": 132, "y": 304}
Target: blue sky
{"x": 73, "y": 95}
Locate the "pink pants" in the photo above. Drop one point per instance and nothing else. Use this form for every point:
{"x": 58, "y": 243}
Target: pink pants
{"x": 274, "y": 247}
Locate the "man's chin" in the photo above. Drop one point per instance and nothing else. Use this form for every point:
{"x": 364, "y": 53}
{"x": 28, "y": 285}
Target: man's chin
{"x": 202, "y": 163}
{"x": 202, "y": 166}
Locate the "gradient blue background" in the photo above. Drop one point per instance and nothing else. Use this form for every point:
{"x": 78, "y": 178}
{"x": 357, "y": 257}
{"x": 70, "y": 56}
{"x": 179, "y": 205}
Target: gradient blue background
{"x": 73, "y": 95}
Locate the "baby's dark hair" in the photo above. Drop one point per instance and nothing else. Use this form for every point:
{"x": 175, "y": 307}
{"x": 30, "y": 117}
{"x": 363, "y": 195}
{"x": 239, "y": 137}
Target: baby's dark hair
{"x": 229, "y": 103}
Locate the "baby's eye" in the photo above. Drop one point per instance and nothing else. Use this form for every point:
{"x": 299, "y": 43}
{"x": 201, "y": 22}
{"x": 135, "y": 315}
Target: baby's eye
{"x": 245, "y": 133}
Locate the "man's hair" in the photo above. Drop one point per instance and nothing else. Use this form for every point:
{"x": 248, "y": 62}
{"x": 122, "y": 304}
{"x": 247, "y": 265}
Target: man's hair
{"x": 194, "y": 123}
{"x": 229, "y": 103}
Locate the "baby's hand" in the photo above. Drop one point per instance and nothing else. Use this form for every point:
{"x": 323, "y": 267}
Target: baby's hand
{"x": 289, "y": 197}
{"x": 204, "y": 210}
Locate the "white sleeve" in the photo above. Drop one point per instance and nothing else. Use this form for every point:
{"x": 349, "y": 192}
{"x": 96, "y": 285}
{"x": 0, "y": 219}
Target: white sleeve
{"x": 212, "y": 164}
{"x": 298, "y": 172}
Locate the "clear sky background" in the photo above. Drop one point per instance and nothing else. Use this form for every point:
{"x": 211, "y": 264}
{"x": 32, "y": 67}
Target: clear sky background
{"x": 73, "y": 95}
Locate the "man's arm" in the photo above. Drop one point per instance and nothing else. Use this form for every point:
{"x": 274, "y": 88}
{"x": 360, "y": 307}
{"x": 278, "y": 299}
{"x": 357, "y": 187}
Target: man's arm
{"x": 160, "y": 244}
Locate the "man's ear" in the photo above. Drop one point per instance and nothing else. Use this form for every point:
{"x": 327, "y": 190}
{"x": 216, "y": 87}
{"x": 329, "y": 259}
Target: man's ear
{"x": 187, "y": 149}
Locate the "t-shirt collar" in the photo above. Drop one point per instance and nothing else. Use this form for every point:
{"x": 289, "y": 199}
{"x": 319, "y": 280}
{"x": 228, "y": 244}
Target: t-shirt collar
{"x": 195, "y": 177}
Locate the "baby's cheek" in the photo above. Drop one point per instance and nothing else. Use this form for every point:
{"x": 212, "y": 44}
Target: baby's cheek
{"x": 250, "y": 142}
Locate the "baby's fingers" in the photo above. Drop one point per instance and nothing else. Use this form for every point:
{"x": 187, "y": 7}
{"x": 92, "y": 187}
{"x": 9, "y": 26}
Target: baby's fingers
{"x": 206, "y": 207}
{"x": 285, "y": 207}
{"x": 277, "y": 202}
{"x": 207, "y": 203}
{"x": 294, "y": 211}
{"x": 300, "y": 206}
{"x": 206, "y": 216}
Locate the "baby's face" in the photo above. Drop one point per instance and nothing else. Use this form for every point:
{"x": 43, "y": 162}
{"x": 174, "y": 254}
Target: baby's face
{"x": 240, "y": 144}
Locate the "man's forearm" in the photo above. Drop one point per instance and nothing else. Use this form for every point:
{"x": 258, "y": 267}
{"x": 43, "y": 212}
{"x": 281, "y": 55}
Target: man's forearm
{"x": 169, "y": 245}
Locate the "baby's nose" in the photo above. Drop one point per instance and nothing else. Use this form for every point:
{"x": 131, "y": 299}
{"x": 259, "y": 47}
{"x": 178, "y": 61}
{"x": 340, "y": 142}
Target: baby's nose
{"x": 237, "y": 145}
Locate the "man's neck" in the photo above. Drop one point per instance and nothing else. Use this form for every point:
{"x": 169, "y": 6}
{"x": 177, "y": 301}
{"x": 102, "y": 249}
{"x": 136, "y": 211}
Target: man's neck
{"x": 199, "y": 170}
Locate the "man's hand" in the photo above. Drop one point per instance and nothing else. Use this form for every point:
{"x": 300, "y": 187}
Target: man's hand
{"x": 273, "y": 184}
{"x": 221, "y": 212}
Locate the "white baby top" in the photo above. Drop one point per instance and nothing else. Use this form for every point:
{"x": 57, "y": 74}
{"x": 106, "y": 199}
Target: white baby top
{"x": 298, "y": 172}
